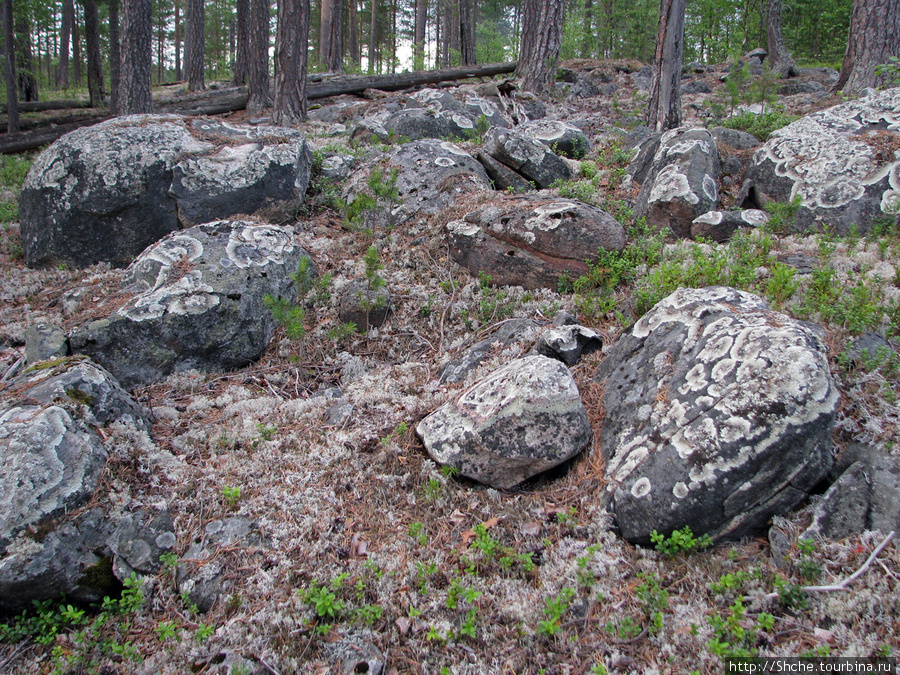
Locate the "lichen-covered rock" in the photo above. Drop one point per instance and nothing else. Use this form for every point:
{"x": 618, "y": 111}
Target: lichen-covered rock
{"x": 561, "y": 138}
{"x": 140, "y": 540}
{"x": 719, "y": 415}
{"x": 568, "y": 343}
{"x": 532, "y": 242}
{"x": 734, "y": 138}
{"x": 522, "y": 420}
{"x": 681, "y": 181}
{"x": 721, "y": 225}
{"x": 76, "y": 381}
{"x": 526, "y": 155}
{"x": 502, "y": 176}
{"x": 195, "y": 300}
{"x": 106, "y": 192}
{"x": 509, "y": 332}
{"x": 843, "y": 164}
{"x": 44, "y": 341}
{"x": 363, "y": 305}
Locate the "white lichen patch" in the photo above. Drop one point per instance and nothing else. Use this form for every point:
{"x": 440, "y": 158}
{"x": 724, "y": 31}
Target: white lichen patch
{"x": 258, "y": 245}
{"x": 670, "y": 185}
{"x": 188, "y": 295}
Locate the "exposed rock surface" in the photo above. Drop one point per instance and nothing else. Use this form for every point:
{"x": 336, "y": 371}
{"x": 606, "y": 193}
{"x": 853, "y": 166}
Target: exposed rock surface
{"x": 195, "y": 300}
{"x": 721, "y": 225}
{"x": 532, "y": 242}
{"x": 521, "y": 420}
{"x": 527, "y": 156}
{"x": 843, "y": 164}
{"x": 457, "y": 369}
{"x": 44, "y": 341}
{"x": 140, "y": 540}
{"x": 106, "y": 192}
{"x": 563, "y": 139}
{"x": 680, "y": 183}
{"x": 568, "y": 343}
{"x": 734, "y": 138}
{"x": 363, "y": 306}
{"x": 719, "y": 415}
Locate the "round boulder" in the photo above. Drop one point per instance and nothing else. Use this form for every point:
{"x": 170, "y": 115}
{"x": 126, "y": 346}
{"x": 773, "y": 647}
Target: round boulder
{"x": 719, "y": 415}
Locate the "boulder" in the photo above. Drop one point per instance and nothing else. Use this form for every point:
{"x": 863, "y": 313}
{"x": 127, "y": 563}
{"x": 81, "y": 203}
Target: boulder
{"x": 721, "y": 225}
{"x": 842, "y": 164}
{"x": 532, "y": 242}
{"x": 527, "y": 156}
{"x": 44, "y": 341}
{"x": 139, "y": 542}
{"x": 77, "y": 381}
{"x": 502, "y": 176}
{"x": 563, "y": 139}
{"x": 719, "y": 415}
{"x": 522, "y": 420}
{"x": 568, "y": 343}
{"x": 695, "y": 87}
{"x": 509, "y": 332}
{"x": 794, "y": 88}
{"x": 734, "y": 138}
{"x": 681, "y": 181}
{"x": 195, "y": 300}
{"x": 106, "y": 192}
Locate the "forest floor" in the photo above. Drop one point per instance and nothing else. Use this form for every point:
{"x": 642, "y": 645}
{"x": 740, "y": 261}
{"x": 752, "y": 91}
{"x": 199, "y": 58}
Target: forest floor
{"x": 369, "y": 553}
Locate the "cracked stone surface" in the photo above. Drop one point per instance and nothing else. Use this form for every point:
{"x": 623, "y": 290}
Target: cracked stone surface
{"x": 719, "y": 415}
{"x": 532, "y": 242}
{"x": 521, "y": 420}
{"x": 843, "y": 164}
{"x": 106, "y": 192}
{"x": 526, "y": 155}
{"x": 195, "y": 300}
{"x": 721, "y": 225}
{"x": 680, "y": 181}
{"x": 563, "y": 139}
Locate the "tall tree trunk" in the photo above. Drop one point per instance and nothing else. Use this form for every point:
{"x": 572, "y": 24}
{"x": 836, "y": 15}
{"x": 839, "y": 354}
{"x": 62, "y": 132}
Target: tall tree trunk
{"x": 242, "y": 55}
{"x": 9, "y": 68}
{"x": 780, "y": 60}
{"x": 419, "y": 35}
{"x": 454, "y": 47}
{"x": 353, "y": 33}
{"x": 28, "y": 87}
{"x": 137, "y": 58}
{"x": 373, "y": 27}
{"x": 65, "y": 32}
{"x": 259, "y": 56}
{"x": 467, "y": 32}
{"x": 874, "y": 38}
{"x": 291, "y": 43}
{"x": 331, "y": 36}
{"x": 665, "y": 87}
{"x": 195, "y": 47}
{"x": 178, "y": 23}
{"x": 587, "y": 44}
{"x": 95, "y": 64}
{"x": 326, "y": 9}
{"x": 76, "y": 47}
{"x": 541, "y": 41}
{"x": 114, "y": 55}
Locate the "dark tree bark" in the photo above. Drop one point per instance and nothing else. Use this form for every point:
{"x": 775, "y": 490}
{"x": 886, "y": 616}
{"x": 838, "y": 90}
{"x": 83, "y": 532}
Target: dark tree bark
{"x": 95, "y": 64}
{"x": 76, "y": 47}
{"x": 419, "y": 35}
{"x": 65, "y": 32}
{"x": 452, "y": 34}
{"x": 333, "y": 40}
{"x": 353, "y": 33}
{"x": 9, "y": 68}
{"x": 178, "y": 23}
{"x": 467, "y": 32}
{"x": 28, "y": 87}
{"x": 114, "y": 55}
{"x": 259, "y": 56}
{"x": 874, "y": 37}
{"x": 587, "y": 44}
{"x": 542, "y": 24}
{"x": 194, "y": 44}
{"x": 291, "y": 42}
{"x": 665, "y": 87}
{"x": 780, "y": 60}
{"x": 242, "y": 55}
{"x": 373, "y": 28}
{"x": 137, "y": 58}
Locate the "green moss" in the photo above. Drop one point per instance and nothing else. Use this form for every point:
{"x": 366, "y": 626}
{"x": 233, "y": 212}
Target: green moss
{"x": 100, "y": 577}
{"x": 80, "y": 397}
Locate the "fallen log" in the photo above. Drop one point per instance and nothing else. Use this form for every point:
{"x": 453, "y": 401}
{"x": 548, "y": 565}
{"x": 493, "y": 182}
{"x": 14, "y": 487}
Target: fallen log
{"x": 32, "y": 140}
{"x": 43, "y": 106}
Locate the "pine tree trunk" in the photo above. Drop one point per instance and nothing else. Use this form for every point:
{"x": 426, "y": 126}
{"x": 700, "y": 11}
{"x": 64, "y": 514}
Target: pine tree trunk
{"x": 334, "y": 46}
{"x": 178, "y": 23}
{"x": 65, "y": 32}
{"x": 373, "y": 26}
{"x": 95, "y": 64}
{"x": 467, "y": 33}
{"x": 291, "y": 42}
{"x": 780, "y": 60}
{"x": 76, "y": 48}
{"x": 326, "y": 8}
{"x": 874, "y": 38}
{"x": 114, "y": 55}
{"x": 353, "y": 33}
{"x": 259, "y": 56}
{"x": 137, "y": 57}
{"x": 587, "y": 44}
{"x": 665, "y": 87}
{"x": 28, "y": 87}
{"x": 9, "y": 68}
{"x": 195, "y": 46}
{"x": 455, "y": 48}
{"x": 419, "y": 35}
{"x": 542, "y": 25}
{"x": 242, "y": 48}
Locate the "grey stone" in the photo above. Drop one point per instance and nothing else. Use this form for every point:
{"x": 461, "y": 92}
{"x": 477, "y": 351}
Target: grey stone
{"x": 502, "y": 176}
{"x": 338, "y": 166}
{"x": 527, "y": 156}
{"x": 838, "y": 161}
{"x": 195, "y": 300}
{"x": 363, "y": 306}
{"x": 140, "y": 540}
{"x": 568, "y": 343}
{"x": 532, "y": 242}
{"x": 681, "y": 182}
{"x": 719, "y": 414}
{"x": 642, "y": 162}
{"x": 563, "y": 139}
{"x": 522, "y": 420}
{"x": 721, "y": 225}
{"x": 802, "y": 264}
{"x": 870, "y": 350}
{"x": 794, "y": 88}
{"x": 106, "y": 192}
{"x": 825, "y": 75}
{"x": 44, "y": 341}
{"x": 695, "y": 87}
{"x": 734, "y": 138}
{"x": 459, "y": 368}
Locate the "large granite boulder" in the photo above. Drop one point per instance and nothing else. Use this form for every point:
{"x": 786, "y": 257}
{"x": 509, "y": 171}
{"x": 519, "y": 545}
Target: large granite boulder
{"x": 680, "y": 182}
{"x": 719, "y": 414}
{"x": 842, "y": 163}
{"x": 526, "y": 155}
{"x": 563, "y": 139}
{"x": 522, "y": 420}
{"x": 532, "y": 242}
{"x": 195, "y": 300}
{"x": 106, "y": 192}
